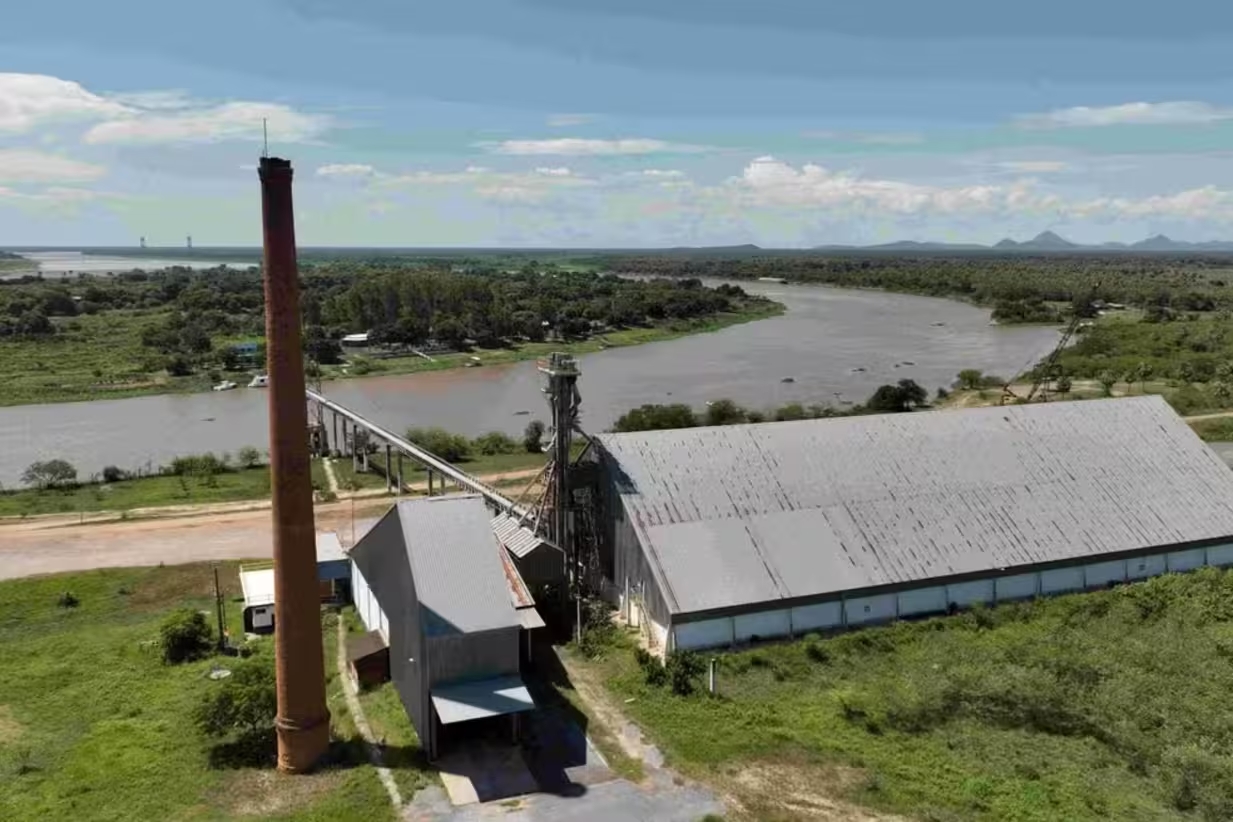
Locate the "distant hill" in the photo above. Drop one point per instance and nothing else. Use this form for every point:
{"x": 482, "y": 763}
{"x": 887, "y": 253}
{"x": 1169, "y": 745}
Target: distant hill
{"x": 1046, "y": 241}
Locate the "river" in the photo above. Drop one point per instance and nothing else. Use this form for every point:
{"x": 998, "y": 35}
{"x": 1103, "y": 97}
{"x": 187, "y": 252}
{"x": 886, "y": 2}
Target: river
{"x": 61, "y": 264}
{"x": 820, "y": 342}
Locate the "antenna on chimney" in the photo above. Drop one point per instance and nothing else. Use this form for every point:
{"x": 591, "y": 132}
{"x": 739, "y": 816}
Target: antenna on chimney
{"x": 265, "y": 137}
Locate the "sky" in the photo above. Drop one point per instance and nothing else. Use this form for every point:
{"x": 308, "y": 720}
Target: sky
{"x": 617, "y": 123}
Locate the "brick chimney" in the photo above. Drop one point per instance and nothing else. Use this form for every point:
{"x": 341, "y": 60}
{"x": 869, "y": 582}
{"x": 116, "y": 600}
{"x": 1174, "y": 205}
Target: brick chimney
{"x": 303, "y": 722}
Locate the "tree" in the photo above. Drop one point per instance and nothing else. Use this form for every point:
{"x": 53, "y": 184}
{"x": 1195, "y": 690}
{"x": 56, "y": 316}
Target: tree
{"x": 656, "y": 418}
{"x": 970, "y": 379}
{"x": 791, "y": 411}
{"x": 1141, "y": 374}
{"x": 495, "y": 442}
{"x": 48, "y": 473}
{"x": 533, "y": 437}
{"x": 1107, "y": 380}
{"x": 904, "y": 396}
{"x": 246, "y": 701}
{"x": 248, "y": 457}
{"x": 724, "y": 412}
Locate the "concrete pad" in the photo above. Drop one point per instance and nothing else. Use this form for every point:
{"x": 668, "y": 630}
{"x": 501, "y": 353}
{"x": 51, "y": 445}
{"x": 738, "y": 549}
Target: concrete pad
{"x": 485, "y": 773}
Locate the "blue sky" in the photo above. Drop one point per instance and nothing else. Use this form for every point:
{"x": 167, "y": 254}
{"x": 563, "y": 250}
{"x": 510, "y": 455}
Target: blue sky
{"x": 617, "y": 122}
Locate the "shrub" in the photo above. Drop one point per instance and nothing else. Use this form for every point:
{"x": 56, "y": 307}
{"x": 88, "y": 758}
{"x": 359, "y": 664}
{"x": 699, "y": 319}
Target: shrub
{"x": 246, "y": 701}
{"x": 494, "y": 442}
{"x": 113, "y": 474}
{"x": 533, "y": 437}
{"x": 184, "y": 636}
{"x": 683, "y": 667}
{"x": 653, "y": 670}
{"x": 67, "y": 600}
{"x": 197, "y": 465}
{"x": 248, "y": 457}
{"x": 447, "y": 446}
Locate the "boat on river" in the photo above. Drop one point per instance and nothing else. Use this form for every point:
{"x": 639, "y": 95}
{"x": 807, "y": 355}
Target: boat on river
{"x": 225, "y": 385}
{"x": 260, "y": 381}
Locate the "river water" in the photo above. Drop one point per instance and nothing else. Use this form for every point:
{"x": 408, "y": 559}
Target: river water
{"x": 820, "y": 342}
{"x": 58, "y": 264}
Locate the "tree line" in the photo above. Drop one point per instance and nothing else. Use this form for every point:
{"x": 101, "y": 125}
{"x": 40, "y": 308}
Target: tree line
{"x": 1019, "y": 288}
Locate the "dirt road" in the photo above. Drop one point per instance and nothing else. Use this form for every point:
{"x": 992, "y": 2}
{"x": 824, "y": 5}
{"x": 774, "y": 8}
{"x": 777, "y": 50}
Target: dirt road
{"x": 27, "y": 550}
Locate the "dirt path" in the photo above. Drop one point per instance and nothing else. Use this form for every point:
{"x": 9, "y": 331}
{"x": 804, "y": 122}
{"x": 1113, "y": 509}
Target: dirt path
{"x": 1217, "y": 415}
{"x": 26, "y": 549}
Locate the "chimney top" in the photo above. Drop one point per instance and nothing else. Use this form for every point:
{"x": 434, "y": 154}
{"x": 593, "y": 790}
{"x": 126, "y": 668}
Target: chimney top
{"x": 274, "y": 164}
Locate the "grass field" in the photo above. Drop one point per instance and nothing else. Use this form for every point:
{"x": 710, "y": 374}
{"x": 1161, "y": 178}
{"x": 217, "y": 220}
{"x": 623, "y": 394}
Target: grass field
{"x": 252, "y": 483}
{"x": 1107, "y": 705}
{"x": 94, "y": 726}
{"x": 100, "y": 356}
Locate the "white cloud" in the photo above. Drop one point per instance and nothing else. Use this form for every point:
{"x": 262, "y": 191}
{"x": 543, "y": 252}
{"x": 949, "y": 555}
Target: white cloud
{"x": 26, "y": 166}
{"x": 510, "y": 186}
{"x": 228, "y": 121}
{"x": 346, "y": 170}
{"x": 1033, "y": 166}
{"x": 51, "y": 196}
{"x": 29, "y": 100}
{"x": 151, "y": 100}
{"x": 563, "y": 120}
{"x": 657, "y": 173}
{"x": 1182, "y": 112}
{"x": 554, "y": 172}
{"x": 581, "y": 147}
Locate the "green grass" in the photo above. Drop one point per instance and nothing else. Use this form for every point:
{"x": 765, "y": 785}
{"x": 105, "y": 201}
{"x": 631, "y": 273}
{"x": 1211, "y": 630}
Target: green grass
{"x": 392, "y": 728}
{"x": 1107, "y": 705}
{"x": 1216, "y": 430}
{"x": 477, "y": 465}
{"x": 252, "y": 483}
{"x": 93, "y": 726}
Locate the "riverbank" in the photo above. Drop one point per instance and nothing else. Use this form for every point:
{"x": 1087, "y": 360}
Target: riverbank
{"x": 97, "y": 357}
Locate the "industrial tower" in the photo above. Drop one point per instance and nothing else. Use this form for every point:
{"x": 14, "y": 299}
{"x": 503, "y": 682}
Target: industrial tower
{"x": 563, "y": 399}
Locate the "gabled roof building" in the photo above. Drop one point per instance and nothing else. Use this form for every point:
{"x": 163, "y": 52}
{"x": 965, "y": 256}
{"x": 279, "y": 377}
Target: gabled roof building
{"x": 719, "y": 535}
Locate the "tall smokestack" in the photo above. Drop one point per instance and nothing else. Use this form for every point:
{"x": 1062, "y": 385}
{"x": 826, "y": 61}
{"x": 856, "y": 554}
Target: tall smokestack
{"x": 303, "y": 722}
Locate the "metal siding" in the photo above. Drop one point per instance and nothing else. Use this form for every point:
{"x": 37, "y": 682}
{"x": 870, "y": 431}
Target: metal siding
{"x": 818, "y": 617}
{"x": 462, "y": 657}
{"x": 1019, "y": 586}
{"x": 1144, "y": 567}
{"x": 903, "y": 498}
{"x": 1220, "y": 555}
{"x": 763, "y": 625}
{"x": 1101, "y": 574}
{"x": 859, "y": 610}
{"x": 922, "y": 601}
{"x": 712, "y": 633}
{"x": 1185, "y": 560}
{"x": 1058, "y": 580}
{"x": 964, "y": 594}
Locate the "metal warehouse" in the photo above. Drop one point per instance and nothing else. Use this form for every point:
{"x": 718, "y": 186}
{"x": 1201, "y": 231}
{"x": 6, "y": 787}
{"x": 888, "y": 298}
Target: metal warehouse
{"x": 431, "y": 580}
{"x": 713, "y": 536}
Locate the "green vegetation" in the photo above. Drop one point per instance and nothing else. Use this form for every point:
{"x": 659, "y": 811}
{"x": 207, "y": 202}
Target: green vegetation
{"x": 140, "y": 492}
{"x": 1105, "y": 705}
{"x": 178, "y": 330}
{"x": 905, "y": 395}
{"x": 1214, "y": 430}
{"x": 1020, "y": 288}
{"x": 95, "y": 726}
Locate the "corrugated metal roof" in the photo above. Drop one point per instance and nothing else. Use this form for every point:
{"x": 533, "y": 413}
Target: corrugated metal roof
{"x": 257, "y": 583}
{"x": 740, "y": 514}
{"x": 455, "y": 563}
{"x": 329, "y": 549}
{"x": 517, "y": 539}
{"x": 465, "y": 701}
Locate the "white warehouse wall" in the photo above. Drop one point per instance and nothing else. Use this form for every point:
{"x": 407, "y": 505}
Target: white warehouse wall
{"x": 868, "y": 610}
{"x": 366, "y": 604}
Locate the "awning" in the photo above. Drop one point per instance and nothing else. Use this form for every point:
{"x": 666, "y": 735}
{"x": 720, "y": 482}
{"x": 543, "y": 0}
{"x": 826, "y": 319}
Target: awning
{"x": 476, "y": 700}
{"x": 530, "y": 618}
